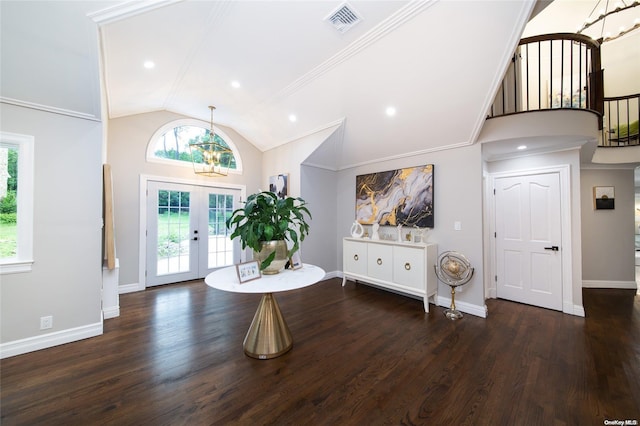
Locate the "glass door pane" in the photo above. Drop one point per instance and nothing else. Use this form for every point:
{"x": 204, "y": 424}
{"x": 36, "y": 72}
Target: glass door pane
{"x": 220, "y": 247}
{"x": 173, "y": 242}
{"x": 187, "y": 234}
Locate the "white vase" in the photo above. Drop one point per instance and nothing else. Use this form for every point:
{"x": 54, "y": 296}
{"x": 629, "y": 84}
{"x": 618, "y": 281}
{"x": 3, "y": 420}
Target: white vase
{"x": 357, "y": 230}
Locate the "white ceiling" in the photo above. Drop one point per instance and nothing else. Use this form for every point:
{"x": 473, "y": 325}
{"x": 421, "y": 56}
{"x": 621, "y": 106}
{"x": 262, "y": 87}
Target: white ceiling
{"x": 436, "y": 62}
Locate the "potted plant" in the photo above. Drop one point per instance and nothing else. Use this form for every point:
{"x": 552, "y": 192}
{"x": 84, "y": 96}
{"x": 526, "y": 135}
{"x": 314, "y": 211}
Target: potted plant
{"x": 266, "y": 223}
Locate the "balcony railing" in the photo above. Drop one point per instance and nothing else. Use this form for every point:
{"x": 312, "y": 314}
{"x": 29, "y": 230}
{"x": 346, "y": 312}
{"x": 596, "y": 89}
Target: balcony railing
{"x": 621, "y": 118}
{"x": 553, "y": 71}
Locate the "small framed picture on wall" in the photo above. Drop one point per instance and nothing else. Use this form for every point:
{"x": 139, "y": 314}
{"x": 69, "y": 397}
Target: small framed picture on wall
{"x": 279, "y": 185}
{"x": 603, "y": 197}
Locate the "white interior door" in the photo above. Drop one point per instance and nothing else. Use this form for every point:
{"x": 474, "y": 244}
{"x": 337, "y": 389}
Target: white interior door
{"x": 186, "y": 232}
{"x": 528, "y": 239}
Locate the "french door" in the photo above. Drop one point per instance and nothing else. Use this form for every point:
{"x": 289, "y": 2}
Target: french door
{"x": 186, "y": 232}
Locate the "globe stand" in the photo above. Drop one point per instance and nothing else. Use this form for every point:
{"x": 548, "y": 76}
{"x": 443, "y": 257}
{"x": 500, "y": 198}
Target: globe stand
{"x": 454, "y": 270}
{"x": 452, "y": 313}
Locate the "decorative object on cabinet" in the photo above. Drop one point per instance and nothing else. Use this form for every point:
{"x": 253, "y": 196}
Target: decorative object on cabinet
{"x": 357, "y": 230}
{"x": 454, "y": 270}
{"x": 374, "y": 232}
{"x": 604, "y": 197}
{"x": 265, "y": 223}
{"x": 417, "y": 235}
{"x": 397, "y": 266}
{"x": 279, "y": 185}
{"x": 396, "y": 197}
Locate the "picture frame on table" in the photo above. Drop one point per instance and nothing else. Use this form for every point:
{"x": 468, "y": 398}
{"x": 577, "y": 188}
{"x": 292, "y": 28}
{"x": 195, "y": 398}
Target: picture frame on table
{"x": 248, "y": 271}
{"x": 295, "y": 262}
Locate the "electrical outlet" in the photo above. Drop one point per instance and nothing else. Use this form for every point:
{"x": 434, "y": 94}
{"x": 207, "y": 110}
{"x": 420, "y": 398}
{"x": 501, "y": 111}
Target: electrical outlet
{"x": 46, "y": 322}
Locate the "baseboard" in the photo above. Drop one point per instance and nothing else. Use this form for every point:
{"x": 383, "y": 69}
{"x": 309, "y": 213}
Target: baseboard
{"x": 130, "y": 288}
{"x": 30, "y": 344}
{"x": 631, "y": 285}
{"x": 332, "y": 274}
{"x": 111, "y": 312}
{"x": 468, "y": 308}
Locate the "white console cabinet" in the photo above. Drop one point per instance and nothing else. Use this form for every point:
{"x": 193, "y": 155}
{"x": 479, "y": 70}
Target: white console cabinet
{"x": 402, "y": 267}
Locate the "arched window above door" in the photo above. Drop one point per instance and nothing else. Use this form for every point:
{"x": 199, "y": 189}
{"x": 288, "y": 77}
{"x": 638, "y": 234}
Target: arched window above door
{"x": 170, "y": 143}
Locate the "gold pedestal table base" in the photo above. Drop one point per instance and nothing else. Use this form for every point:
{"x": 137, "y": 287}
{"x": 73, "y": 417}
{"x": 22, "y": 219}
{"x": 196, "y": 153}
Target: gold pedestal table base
{"x": 268, "y": 336}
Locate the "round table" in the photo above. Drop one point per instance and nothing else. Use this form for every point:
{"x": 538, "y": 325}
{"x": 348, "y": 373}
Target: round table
{"x": 268, "y": 336}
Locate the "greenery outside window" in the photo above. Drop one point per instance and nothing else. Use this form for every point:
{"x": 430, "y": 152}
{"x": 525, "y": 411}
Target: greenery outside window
{"x": 170, "y": 144}
{"x": 16, "y": 203}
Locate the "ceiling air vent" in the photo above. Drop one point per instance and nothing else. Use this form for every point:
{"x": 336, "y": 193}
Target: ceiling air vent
{"x": 343, "y": 18}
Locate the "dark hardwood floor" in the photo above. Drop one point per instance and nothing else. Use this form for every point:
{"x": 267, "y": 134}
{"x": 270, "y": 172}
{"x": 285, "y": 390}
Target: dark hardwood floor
{"x": 361, "y": 356}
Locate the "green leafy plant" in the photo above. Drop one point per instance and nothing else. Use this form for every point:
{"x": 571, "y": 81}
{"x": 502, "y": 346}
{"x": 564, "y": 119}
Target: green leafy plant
{"x": 265, "y": 217}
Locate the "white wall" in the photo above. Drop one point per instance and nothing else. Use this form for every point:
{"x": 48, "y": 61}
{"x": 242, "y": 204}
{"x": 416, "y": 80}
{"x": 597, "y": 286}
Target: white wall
{"x": 315, "y": 185}
{"x": 66, "y": 278}
{"x": 50, "y": 89}
{"x": 608, "y": 248}
{"x": 127, "y": 146}
{"x": 288, "y": 158}
{"x": 457, "y": 198}
{"x": 620, "y": 69}
{"x": 318, "y": 188}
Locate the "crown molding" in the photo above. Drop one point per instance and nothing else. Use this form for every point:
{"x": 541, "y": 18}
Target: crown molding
{"x": 48, "y": 108}
{"x": 333, "y": 124}
{"x": 219, "y": 10}
{"x": 510, "y": 47}
{"x": 404, "y": 155}
{"x": 127, "y": 9}
{"x": 404, "y": 14}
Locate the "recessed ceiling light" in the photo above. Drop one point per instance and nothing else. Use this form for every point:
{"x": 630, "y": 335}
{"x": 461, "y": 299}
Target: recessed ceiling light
{"x": 390, "y": 111}
{"x": 149, "y": 64}
{"x": 521, "y": 147}
{"x": 235, "y": 84}
{"x": 293, "y": 118}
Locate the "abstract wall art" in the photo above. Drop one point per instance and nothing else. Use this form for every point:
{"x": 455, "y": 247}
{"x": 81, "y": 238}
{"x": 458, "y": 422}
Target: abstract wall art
{"x": 279, "y": 185}
{"x": 604, "y": 197}
{"x": 396, "y": 197}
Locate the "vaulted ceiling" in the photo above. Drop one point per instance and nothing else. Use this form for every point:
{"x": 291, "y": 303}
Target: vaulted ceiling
{"x": 436, "y": 62}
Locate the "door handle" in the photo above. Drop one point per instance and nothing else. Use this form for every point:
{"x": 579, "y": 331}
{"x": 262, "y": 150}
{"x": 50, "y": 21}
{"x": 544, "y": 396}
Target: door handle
{"x": 195, "y": 238}
{"x": 554, "y": 248}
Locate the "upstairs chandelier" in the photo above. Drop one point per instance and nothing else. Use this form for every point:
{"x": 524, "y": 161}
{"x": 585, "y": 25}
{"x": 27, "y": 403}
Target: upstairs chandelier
{"x": 608, "y": 24}
{"x": 209, "y": 157}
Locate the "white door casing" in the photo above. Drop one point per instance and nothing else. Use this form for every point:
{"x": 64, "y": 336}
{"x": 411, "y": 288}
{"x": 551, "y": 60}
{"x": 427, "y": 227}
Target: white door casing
{"x": 529, "y": 239}
{"x": 203, "y": 251}
{"x": 175, "y": 258}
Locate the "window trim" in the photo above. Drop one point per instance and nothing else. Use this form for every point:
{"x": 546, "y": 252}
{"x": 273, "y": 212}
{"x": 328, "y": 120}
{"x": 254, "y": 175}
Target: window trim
{"x": 196, "y": 123}
{"x": 24, "y": 260}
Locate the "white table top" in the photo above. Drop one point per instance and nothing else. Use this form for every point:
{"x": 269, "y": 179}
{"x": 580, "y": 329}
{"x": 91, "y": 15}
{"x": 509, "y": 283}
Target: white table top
{"x": 227, "y": 279}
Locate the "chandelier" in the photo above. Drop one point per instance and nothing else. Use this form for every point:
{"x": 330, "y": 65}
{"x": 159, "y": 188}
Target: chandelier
{"x": 209, "y": 157}
{"x": 609, "y": 24}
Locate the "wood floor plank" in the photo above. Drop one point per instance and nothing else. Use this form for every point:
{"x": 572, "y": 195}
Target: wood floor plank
{"x": 360, "y": 356}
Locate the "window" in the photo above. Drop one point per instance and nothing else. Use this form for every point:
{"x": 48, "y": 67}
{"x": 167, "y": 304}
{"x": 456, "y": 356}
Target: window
{"x": 16, "y": 203}
{"x": 170, "y": 144}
